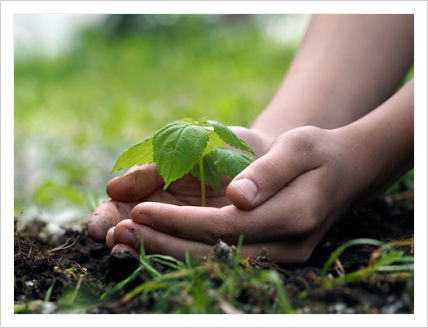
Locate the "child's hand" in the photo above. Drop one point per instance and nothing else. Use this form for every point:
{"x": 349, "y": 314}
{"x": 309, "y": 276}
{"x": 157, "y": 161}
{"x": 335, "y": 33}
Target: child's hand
{"x": 143, "y": 183}
{"x": 309, "y": 176}
{"x": 285, "y": 202}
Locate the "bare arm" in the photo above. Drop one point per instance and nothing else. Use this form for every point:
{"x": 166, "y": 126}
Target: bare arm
{"x": 381, "y": 143}
{"x": 346, "y": 66}
{"x": 286, "y": 200}
{"x": 309, "y": 177}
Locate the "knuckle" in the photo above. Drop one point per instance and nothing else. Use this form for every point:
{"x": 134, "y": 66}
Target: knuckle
{"x": 221, "y": 228}
{"x": 302, "y": 140}
{"x": 266, "y": 173}
{"x": 307, "y": 220}
{"x": 304, "y": 254}
{"x": 302, "y": 251}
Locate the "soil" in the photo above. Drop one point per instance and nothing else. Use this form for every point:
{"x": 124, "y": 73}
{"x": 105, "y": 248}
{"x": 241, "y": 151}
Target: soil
{"x": 43, "y": 260}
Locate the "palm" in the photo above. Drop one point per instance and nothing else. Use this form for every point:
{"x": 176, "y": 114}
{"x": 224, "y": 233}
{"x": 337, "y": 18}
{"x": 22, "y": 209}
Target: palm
{"x": 187, "y": 190}
{"x": 146, "y": 185}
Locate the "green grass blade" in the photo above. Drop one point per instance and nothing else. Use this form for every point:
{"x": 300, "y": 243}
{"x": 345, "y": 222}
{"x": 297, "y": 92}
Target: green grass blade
{"x": 284, "y": 303}
{"x": 167, "y": 258}
{"x": 238, "y": 251}
{"x": 341, "y": 249}
{"x": 395, "y": 268}
{"x": 393, "y": 257}
{"x": 76, "y": 290}
{"x": 234, "y": 283}
{"x": 360, "y": 274}
{"x": 151, "y": 269}
{"x": 121, "y": 284}
{"x": 49, "y": 292}
{"x": 142, "y": 250}
{"x": 187, "y": 259}
{"x": 148, "y": 286}
{"x": 166, "y": 263}
{"x": 177, "y": 274}
{"x": 144, "y": 260}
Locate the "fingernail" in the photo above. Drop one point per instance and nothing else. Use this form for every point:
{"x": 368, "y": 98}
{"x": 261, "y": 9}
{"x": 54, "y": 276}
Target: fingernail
{"x": 247, "y": 189}
{"x": 129, "y": 238}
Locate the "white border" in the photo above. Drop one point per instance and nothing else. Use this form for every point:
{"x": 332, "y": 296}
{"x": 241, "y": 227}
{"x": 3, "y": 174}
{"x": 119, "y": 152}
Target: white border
{"x": 419, "y": 319}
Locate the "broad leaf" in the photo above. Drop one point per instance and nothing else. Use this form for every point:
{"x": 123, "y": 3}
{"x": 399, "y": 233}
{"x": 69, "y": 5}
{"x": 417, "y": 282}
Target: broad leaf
{"x": 229, "y": 137}
{"x": 139, "y": 154}
{"x": 213, "y": 141}
{"x": 212, "y": 176}
{"x": 177, "y": 147}
{"x": 230, "y": 161}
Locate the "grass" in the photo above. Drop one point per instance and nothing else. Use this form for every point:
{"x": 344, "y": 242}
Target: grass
{"x": 210, "y": 286}
{"x": 74, "y": 113}
{"x": 222, "y": 283}
{"x": 235, "y": 277}
{"x": 388, "y": 258}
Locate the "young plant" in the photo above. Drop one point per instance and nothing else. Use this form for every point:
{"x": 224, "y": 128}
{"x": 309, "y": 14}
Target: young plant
{"x": 189, "y": 146}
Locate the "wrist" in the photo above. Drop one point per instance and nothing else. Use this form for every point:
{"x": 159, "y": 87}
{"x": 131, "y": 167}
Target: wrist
{"x": 379, "y": 146}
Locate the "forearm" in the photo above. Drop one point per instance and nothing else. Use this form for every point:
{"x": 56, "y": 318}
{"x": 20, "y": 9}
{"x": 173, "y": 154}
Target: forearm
{"x": 380, "y": 145}
{"x": 346, "y": 66}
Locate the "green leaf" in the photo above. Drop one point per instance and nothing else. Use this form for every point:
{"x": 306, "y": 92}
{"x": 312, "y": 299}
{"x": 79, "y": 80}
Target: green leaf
{"x": 139, "y": 154}
{"x": 230, "y": 161}
{"x": 229, "y": 137}
{"x": 212, "y": 176}
{"x": 213, "y": 141}
{"x": 177, "y": 147}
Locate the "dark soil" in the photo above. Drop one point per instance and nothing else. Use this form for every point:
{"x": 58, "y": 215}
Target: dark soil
{"x": 40, "y": 262}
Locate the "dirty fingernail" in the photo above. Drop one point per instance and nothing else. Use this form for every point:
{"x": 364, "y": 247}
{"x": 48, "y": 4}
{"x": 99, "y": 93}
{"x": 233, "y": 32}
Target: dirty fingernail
{"x": 247, "y": 189}
{"x": 129, "y": 238}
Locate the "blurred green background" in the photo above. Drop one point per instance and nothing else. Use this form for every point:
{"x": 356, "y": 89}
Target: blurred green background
{"x": 118, "y": 80}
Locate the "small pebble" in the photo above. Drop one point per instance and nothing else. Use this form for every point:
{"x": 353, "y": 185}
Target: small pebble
{"x": 29, "y": 283}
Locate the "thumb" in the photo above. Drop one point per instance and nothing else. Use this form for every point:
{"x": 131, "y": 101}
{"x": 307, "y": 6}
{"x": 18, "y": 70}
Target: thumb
{"x": 289, "y": 156}
{"x": 137, "y": 183}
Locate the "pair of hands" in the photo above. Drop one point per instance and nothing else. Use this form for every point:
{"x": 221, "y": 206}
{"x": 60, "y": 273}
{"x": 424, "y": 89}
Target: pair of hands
{"x": 285, "y": 201}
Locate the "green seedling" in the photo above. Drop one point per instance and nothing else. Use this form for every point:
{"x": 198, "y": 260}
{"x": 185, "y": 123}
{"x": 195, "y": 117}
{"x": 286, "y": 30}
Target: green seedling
{"x": 189, "y": 146}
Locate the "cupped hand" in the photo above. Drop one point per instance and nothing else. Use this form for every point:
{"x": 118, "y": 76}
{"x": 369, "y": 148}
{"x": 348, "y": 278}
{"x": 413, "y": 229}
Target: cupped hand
{"x": 143, "y": 184}
{"x": 284, "y": 202}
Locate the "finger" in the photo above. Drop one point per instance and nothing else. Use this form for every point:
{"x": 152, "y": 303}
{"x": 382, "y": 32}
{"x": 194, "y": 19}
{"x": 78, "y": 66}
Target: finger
{"x": 110, "y": 242}
{"x": 156, "y": 242}
{"x": 107, "y": 215}
{"x": 290, "y": 156}
{"x": 124, "y": 248}
{"x": 136, "y": 184}
{"x": 189, "y": 221}
{"x": 292, "y": 212}
{"x": 129, "y": 233}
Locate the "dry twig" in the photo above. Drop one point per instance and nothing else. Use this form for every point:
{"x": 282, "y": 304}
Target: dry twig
{"x": 65, "y": 245}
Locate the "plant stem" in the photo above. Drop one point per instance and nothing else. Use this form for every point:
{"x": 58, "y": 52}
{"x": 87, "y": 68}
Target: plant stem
{"x": 201, "y": 172}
